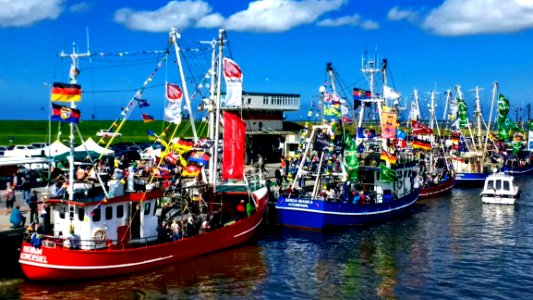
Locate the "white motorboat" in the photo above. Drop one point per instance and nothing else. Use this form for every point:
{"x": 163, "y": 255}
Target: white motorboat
{"x": 500, "y": 188}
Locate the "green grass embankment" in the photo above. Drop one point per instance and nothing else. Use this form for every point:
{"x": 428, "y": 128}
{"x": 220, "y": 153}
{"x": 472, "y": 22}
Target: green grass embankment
{"x": 27, "y": 132}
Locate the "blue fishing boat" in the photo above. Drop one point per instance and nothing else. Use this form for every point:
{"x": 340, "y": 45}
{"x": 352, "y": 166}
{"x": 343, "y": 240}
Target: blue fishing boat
{"x": 363, "y": 179}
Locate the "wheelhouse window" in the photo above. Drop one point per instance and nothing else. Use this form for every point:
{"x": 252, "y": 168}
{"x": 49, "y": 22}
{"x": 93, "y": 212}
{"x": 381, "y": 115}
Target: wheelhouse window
{"x": 120, "y": 211}
{"x": 97, "y": 214}
{"x": 506, "y": 186}
{"x": 62, "y": 210}
{"x": 109, "y": 213}
{"x": 147, "y": 207}
{"x": 81, "y": 213}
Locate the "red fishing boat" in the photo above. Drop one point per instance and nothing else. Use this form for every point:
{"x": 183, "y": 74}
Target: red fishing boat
{"x": 127, "y": 225}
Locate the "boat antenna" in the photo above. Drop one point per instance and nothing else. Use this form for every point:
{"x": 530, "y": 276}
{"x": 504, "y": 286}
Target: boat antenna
{"x": 73, "y": 79}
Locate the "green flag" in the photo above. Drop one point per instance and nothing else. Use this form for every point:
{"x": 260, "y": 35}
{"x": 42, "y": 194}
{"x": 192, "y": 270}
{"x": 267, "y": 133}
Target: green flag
{"x": 463, "y": 114}
{"x": 503, "y": 108}
{"x": 351, "y": 163}
{"x": 386, "y": 174}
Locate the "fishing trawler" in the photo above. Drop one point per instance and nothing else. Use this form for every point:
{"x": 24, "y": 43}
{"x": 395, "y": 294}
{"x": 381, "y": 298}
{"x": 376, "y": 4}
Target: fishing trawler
{"x": 434, "y": 171}
{"x": 473, "y": 157}
{"x": 370, "y": 185}
{"x": 122, "y": 226}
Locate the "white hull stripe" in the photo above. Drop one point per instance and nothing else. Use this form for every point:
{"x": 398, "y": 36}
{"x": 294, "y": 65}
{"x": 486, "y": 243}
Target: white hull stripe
{"x": 253, "y": 228}
{"x": 347, "y": 213}
{"x": 63, "y": 267}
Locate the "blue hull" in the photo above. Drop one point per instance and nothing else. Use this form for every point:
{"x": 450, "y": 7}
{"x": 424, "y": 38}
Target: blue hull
{"x": 470, "y": 179}
{"x": 318, "y": 214}
{"x": 519, "y": 171}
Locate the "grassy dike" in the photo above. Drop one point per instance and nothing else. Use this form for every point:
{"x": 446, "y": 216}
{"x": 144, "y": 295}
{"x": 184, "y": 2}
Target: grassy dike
{"x": 31, "y": 131}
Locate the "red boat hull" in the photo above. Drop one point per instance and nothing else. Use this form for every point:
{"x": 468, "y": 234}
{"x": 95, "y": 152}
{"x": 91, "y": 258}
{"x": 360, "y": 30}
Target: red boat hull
{"x": 437, "y": 190}
{"x": 55, "y": 263}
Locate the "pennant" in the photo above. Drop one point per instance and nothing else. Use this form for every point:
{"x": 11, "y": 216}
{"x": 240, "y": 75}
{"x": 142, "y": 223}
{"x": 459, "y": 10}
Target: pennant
{"x": 172, "y": 158}
{"x": 233, "y": 77}
{"x": 419, "y": 144}
{"x": 65, "y": 92}
{"x": 147, "y": 118}
{"x": 420, "y": 129}
{"x": 386, "y": 174}
{"x": 65, "y": 114}
{"x": 388, "y": 157}
{"x": 234, "y": 146}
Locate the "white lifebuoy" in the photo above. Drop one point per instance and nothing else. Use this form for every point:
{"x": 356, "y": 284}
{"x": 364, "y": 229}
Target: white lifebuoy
{"x": 99, "y": 235}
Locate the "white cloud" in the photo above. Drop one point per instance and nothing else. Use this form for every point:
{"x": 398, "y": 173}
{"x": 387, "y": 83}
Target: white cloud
{"x": 346, "y": 20}
{"x": 81, "y": 7}
{"x": 397, "y": 14}
{"x": 280, "y": 15}
{"x": 179, "y": 14}
{"x": 16, "y": 13}
{"x": 260, "y": 16}
{"x": 468, "y": 17}
{"x": 369, "y": 25}
{"x": 354, "y": 20}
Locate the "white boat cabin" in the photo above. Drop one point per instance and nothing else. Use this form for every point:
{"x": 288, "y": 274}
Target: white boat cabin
{"x": 96, "y": 222}
{"x": 500, "y": 188}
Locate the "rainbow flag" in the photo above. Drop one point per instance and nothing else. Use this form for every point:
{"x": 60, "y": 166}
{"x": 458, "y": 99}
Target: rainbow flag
{"x": 65, "y": 92}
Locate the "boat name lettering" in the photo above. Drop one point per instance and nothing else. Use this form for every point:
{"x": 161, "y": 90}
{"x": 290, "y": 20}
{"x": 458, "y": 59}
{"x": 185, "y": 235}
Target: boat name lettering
{"x": 300, "y": 201}
{"x": 33, "y": 254}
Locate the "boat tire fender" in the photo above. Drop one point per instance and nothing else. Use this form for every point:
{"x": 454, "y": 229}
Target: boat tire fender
{"x": 99, "y": 235}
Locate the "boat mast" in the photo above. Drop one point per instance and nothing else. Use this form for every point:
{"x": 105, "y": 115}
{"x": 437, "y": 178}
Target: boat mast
{"x": 217, "y": 105}
{"x": 174, "y": 36}
{"x": 494, "y": 93}
{"x": 478, "y": 116}
{"x": 73, "y": 79}
{"x": 211, "y": 109}
{"x": 460, "y": 96}
{"x": 369, "y": 68}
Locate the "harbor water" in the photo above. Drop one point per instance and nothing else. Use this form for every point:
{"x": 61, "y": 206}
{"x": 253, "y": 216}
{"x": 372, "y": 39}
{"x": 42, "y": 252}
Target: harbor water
{"x": 453, "y": 247}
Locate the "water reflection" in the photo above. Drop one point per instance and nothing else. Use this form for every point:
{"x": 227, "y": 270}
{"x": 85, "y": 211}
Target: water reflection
{"x": 232, "y": 274}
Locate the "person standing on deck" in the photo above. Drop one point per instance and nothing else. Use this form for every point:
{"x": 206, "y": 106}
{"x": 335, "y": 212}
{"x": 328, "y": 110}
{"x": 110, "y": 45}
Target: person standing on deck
{"x": 32, "y": 202}
{"x": 9, "y": 196}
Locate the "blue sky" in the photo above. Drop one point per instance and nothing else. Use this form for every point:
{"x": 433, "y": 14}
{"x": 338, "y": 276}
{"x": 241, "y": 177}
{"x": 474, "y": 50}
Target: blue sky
{"x": 282, "y": 46}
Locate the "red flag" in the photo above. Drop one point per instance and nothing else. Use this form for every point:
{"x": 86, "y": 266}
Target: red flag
{"x": 419, "y": 128}
{"x": 234, "y": 144}
{"x": 174, "y": 93}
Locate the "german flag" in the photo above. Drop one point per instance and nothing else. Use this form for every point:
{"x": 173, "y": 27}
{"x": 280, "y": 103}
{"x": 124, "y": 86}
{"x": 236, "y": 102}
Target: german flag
{"x": 418, "y": 144}
{"x": 65, "y": 92}
{"x": 388, "y": 157}
{"x": 191, "y": 171}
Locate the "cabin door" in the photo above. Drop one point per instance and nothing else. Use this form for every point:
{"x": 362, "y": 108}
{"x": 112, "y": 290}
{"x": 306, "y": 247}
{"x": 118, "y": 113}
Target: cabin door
{"x": 135, "y": 219}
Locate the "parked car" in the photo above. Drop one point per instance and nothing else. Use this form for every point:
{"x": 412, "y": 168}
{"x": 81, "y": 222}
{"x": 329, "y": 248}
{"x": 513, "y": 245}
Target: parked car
{"x": 23, "y": 151}
{"x": 108, "y": 133}
{"x": 39, "y": 145}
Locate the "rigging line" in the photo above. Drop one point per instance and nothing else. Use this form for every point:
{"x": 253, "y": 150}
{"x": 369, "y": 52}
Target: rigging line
{"x": 121, "y": 91}
{"x": 138, "y": 93}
